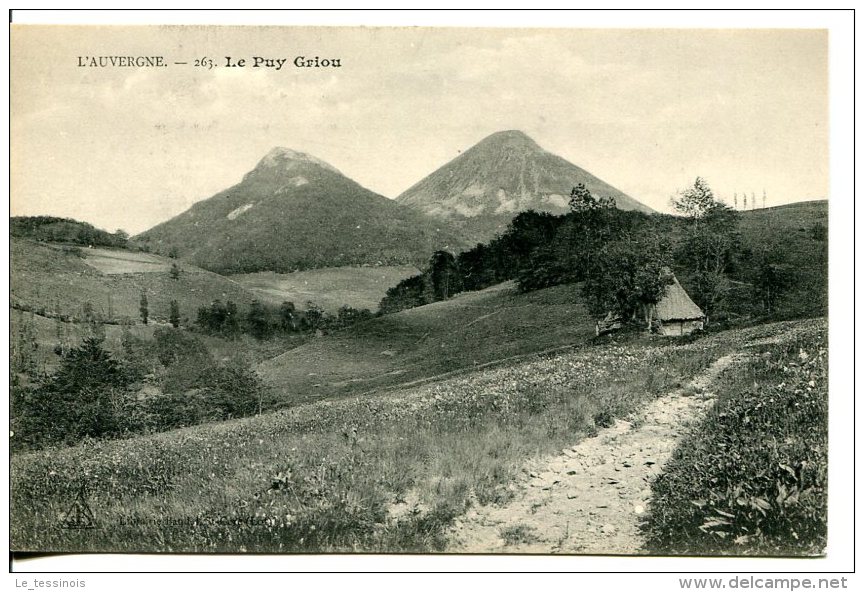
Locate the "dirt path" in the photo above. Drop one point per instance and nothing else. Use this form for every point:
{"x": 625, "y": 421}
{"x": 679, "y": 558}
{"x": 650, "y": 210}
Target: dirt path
{"x": 591, "y": 498}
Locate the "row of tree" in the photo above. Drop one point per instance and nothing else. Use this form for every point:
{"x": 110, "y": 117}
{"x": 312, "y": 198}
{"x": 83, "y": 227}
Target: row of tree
{"x": 595, "y": 242}
{"x": 622, "y": 258}
{"x": 263, "y": 321}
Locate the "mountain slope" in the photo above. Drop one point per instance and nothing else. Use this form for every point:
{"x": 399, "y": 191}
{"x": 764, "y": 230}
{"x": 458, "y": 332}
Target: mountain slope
{"x": 294, "y": 211}
{"x": 468, "y": 330}
{"x": 60, "y": 282}
{"x": 797, "y": 236}
{"x": 505, "y": 173}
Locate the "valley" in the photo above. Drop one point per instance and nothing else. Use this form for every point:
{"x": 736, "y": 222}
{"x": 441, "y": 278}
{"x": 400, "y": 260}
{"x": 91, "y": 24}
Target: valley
{"x": 331, "y": 288}
{"x": 278, "y": 372}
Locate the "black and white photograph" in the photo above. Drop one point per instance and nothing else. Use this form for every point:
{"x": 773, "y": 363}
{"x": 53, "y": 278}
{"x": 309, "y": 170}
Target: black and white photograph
{"x": 281, "y": 290}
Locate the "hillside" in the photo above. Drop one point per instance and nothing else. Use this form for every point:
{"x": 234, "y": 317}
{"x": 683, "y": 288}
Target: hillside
{"x": 295, "y": 212}
{"x": 395, "y": 472}
{"x": 55, "y": 280}
{"x": 484, "y": 187}
{"x": 330, "y": 288}
{"x": 66, "y": 230}
{"x": 463, "y": 332}
{"x": 796, "y": 236}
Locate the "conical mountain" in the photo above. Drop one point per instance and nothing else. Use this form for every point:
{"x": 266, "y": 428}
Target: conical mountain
{"x": 294, "y": 211}
{"x": 505, "y": 173}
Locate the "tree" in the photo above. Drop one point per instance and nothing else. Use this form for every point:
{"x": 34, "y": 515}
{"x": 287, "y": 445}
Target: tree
{"x": 172, "y": 345}
{"x": 87, "y": 314}
{"x": 695, "y": 201}
{"x": 87, "y": 396}
{"x": 143, "y": 308}
{"x": 348, "y": 315}
{"x": 174, "y": 314}
{"x": 231, "y": 320}
{"x": 582, "y": 200}
{"x": 121, "y": 237}
{"x": 408, "y": 293}
{"x": 477, "y": 266}
{"x": 236, "y": 389}
{"x": 773, "y": 277}
{"x": 175, "y": 272}
{"x": 219, "y": 318}
{"x": 256, "y": 321}
{"x": 566, "y": 249}
{"x": 444, "y": 274}
{"x": 527, "y": 232}
{"x": 287, "y": 316}
{"x": 314, "y": 315}
{"x": 186, "y": 363}
{"x": 709, "y": 245}
{"x": 628, "y": 275}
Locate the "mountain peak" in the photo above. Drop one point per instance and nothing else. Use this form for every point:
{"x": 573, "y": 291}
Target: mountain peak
{"x": 509, "y": 138}
{"x": 280, "y": 157}
{"x": 502, "y": 175}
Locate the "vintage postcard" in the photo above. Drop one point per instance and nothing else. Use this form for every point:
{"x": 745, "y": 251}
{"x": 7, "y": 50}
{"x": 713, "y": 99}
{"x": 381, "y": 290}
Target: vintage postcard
{"x": 281, "y": 290}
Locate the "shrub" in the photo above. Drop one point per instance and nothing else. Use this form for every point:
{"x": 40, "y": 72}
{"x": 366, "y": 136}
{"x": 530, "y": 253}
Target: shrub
{"x": 87, "y": 397}
{"x": 752, "y": 478}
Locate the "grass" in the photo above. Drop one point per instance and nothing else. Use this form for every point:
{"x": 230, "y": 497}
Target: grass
{"x": 49, "y": 332}
{"x": 118, "y": 261}
{"x": 787, "y": 230}
{"x": 519, "y": 534}
{"x": 327, "y": 476}
{"x": 330, "y": 288}
{"x": 50, "y": 288}
{"x": 459, "y": 334}
{"x": 47, "y": 280}
{"x": 752, "y": 478}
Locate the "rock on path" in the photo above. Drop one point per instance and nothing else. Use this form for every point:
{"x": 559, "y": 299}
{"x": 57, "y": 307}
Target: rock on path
{"x": 591, "y": 498}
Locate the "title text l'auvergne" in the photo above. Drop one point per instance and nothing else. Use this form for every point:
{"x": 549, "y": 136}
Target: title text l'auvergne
{"x": 275, "y": 63}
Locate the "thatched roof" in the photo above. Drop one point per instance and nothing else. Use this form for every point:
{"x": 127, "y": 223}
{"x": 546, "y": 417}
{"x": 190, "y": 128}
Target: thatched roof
{"x": 676, "y": 305}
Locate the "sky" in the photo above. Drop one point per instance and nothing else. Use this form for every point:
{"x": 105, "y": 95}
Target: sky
{"x": 645, "y": 110}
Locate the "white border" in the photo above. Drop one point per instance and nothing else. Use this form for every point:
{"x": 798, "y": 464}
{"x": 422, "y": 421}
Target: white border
{"x": 839, "y": 557}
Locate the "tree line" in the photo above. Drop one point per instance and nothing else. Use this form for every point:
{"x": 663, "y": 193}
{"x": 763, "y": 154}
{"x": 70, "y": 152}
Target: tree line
{"x": 264, "y": 321}
{"x": 64, "y": 230}
{"x": 623, "y": 259}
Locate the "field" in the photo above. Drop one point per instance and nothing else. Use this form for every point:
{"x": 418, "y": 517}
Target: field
{"x": 53, "y": 286}
{"x": 386, "y": 472}
{"x": 382, "y": 433}
{"x": 329, "y": 288}
{"x": 55, "y": 281}
{"x": 115, "y": 261}
{"x": 462, "y": 333}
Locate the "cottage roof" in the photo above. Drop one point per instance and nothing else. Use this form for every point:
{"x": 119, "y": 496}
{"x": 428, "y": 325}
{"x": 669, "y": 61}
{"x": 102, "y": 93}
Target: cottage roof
{"x": 676, "y": 305}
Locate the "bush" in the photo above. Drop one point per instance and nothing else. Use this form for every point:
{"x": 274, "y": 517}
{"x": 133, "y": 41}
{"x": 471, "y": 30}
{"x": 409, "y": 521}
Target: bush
{"x": 752, "y": 478}
{"x": 87, "y": 397}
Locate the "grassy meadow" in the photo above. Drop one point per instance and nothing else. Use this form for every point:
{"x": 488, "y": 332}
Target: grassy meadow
{"x": 52, "y": 280}
{"x": 470, "y": 329}
{"x": 752, "y": 478}
{"x": 384, "y": 473}
{"x": 330, "y": 288}
{"x": 380, "y": 432}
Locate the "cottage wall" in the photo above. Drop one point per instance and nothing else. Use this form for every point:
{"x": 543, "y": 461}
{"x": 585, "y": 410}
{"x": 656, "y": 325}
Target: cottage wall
{"x": 677, "y": 328}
